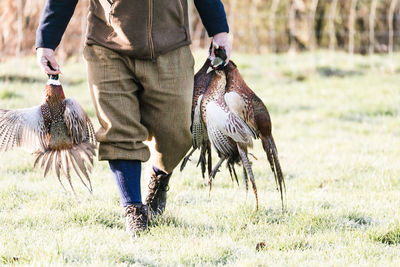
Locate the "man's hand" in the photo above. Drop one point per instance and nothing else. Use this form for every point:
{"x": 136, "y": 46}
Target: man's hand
{"x": 221, "y": 39}
{"x": 46, "y": 60}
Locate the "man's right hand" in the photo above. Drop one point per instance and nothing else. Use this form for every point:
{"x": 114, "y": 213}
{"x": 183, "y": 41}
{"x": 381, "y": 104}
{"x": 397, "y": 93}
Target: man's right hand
{"x": 45, "y": 59}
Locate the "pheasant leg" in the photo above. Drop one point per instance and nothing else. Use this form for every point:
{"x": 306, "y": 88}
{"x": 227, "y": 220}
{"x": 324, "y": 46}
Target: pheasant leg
{"x": 215, "y": 170}
{"x": 187, "y": 158}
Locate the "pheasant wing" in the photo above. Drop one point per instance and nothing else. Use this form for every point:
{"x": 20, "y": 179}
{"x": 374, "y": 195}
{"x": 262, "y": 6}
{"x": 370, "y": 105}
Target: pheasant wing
{"x": 78, "y": 123}
{"x": 22, "y": 128}
{"x": 240, "y": 105}
{"x": 80, "y": 156}
{"x": 220, "y": 121}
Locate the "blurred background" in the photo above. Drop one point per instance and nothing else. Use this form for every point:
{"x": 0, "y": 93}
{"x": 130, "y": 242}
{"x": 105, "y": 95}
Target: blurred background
{"x": 257, "y": 26}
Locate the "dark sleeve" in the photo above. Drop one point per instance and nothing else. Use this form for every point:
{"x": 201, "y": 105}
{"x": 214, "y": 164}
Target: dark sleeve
{"x": 54, "y": 21}
{"x": 212, "y": 14}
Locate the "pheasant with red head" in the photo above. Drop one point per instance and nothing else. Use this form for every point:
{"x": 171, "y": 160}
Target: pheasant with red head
{"x": 243, "y": 102}
{"x": 58, "y": 132}
{"x": 230, "y": 115}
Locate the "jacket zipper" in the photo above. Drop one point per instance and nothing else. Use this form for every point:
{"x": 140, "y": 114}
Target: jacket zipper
{"x": 150, "y": 27}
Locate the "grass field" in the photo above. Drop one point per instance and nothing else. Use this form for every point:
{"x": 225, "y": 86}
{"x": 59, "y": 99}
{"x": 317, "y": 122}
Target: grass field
{"x": 338, "y": 136}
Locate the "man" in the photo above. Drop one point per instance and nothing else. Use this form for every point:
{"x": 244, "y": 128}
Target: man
{"x": 140, "y": 74}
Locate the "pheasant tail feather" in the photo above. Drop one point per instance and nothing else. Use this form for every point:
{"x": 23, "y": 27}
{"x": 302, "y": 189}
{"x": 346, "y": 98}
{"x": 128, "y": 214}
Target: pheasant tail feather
{"x": 272, "y": 155}
{"x": 78, "y": 158}
{"x": 247, "y": 169}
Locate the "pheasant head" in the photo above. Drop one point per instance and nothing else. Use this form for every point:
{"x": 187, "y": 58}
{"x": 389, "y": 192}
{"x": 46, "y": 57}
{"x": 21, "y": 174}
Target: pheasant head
{"x": 220, "y": 57}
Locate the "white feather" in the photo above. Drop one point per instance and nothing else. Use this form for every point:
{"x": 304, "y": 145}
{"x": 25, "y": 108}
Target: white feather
{"x": 235, "y": 103}
{"x": 53, "y": 82}
{"x": 22, "y": 128}
{"x": 228, "y": 124}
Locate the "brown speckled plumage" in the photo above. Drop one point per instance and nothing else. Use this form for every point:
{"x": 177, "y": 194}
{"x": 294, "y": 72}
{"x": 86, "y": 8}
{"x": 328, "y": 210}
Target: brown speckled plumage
{"x": 58, "y": 132}
{"x": 232, "y": 116}
{"x": 201, "y": 81}
{"x": 255, "y": 114}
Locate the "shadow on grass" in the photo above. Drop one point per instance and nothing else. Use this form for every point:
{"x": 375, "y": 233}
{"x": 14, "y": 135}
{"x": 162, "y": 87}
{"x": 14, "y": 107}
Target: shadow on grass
{"x": 162, "y": 221}
{"x": 356, "y": 220}
{"x": 107, "y": 219}
{"x": 391, "y": 237}
{"x": 133, "y": 260}
{"x": 329, "y": 72}
{"x": 13, "y": 260}
{"x": 295, "y": 245}
{"x": 346, "y": 222}
{"x": 270, "y": 216}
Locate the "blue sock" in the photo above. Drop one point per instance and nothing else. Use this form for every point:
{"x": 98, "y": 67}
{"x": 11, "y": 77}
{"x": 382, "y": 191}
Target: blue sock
{"x": 127, "y": 177}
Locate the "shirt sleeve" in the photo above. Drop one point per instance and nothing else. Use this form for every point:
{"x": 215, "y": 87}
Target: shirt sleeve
{"x": 213, "y": 16}
{"x": 53, "y": 22}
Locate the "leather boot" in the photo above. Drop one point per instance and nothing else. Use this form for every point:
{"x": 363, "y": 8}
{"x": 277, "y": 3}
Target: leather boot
{"x": 157, "y": 195}
{"x": 136, "y": 219}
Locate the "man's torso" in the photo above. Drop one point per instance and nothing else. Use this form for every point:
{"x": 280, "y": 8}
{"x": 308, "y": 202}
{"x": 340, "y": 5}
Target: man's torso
{"x": 142, "y": 29}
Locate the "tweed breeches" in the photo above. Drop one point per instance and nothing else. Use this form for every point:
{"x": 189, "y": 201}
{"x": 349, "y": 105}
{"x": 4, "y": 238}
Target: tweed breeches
{"x": 137, "y": 100}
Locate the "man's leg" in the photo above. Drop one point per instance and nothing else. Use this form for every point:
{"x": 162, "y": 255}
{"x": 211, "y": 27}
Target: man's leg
{"x": 165, "y": 107}
{"x": 127, "y": 176}
{"x": 114, "y": 93}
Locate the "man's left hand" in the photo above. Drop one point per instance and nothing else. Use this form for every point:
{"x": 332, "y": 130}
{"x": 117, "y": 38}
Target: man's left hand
{"x": 221, "y": 39}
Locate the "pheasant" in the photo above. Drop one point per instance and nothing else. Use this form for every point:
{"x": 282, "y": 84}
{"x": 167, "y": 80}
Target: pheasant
{"x": 228, "y": 114}
{"x": 243, "y": 102}
{"x": 199, "y": 133}
{"x": 227, "y": 131}
{"x": 58, "y": 132}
